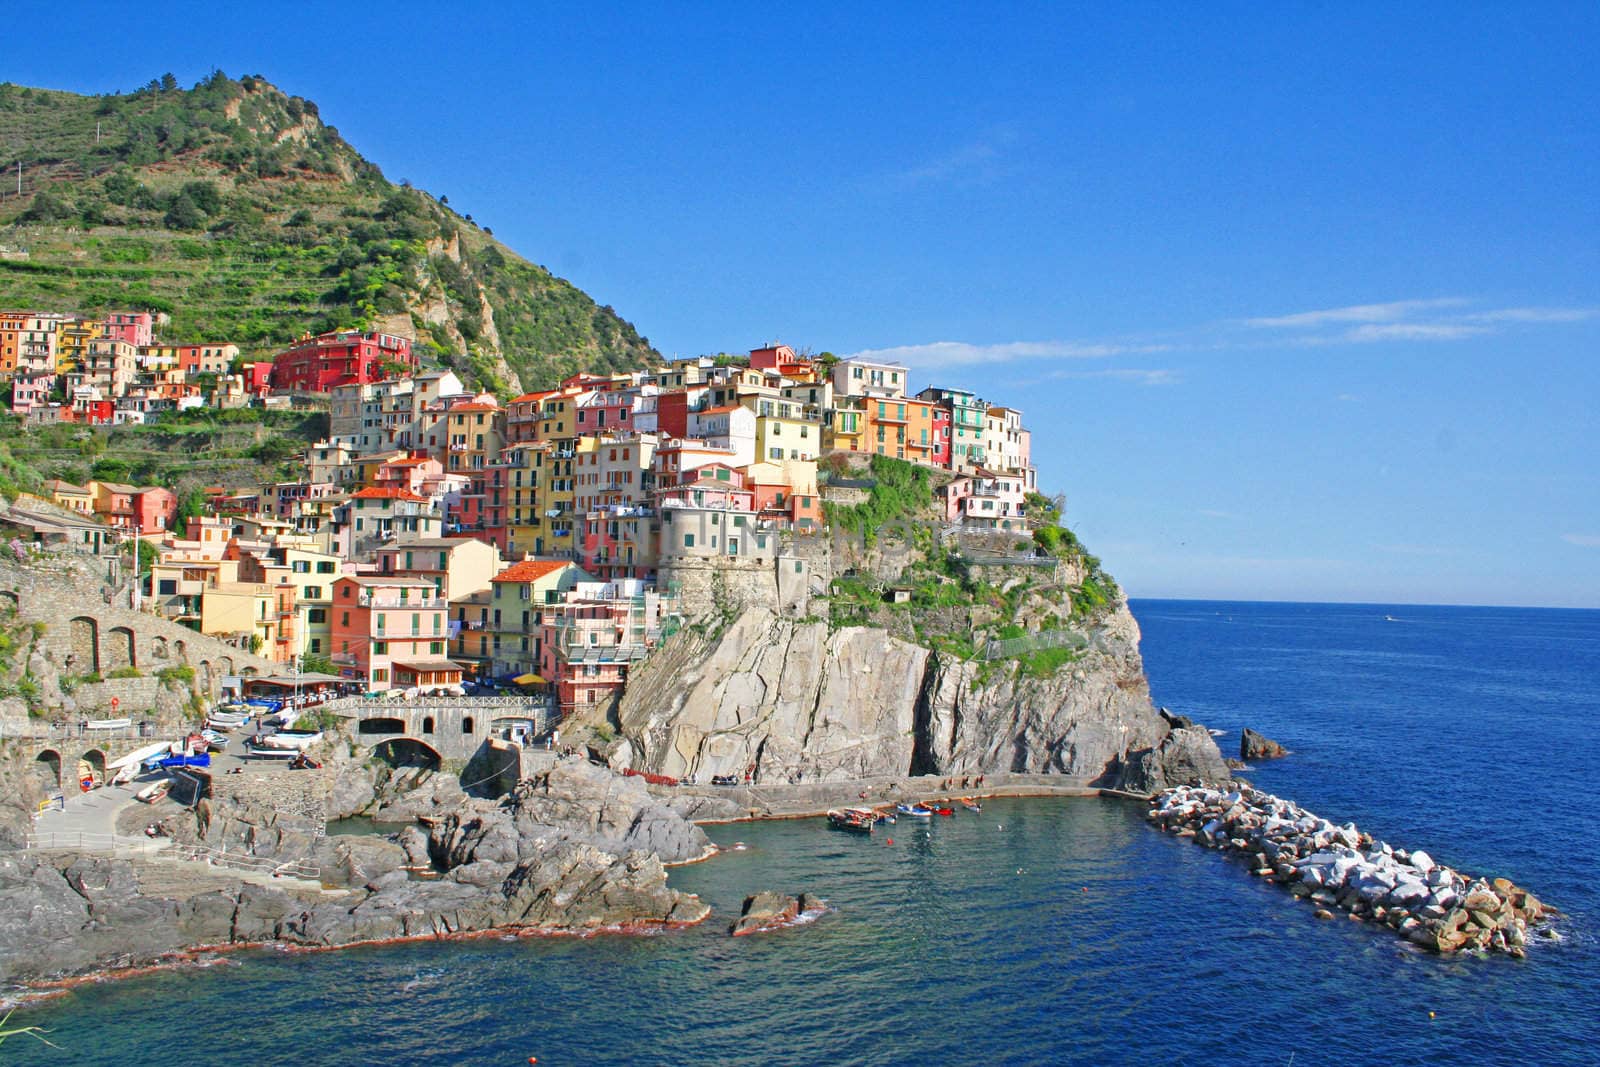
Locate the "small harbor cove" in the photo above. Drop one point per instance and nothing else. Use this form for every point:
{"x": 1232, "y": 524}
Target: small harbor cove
{"x": 1041, "y": 929}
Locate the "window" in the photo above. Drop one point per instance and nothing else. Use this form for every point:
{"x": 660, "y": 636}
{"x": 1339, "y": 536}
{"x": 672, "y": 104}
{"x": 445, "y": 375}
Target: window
{"x": 380, "y": 648}
{"x": 427, "y": 724}
{"x": 466, "y": 724}
{"x": 300, "y": 566}
{"x": 381, "y": 674}
{"x": 688, "y": 540}
{"x": 318, "y": 615}
{"x": 168, "y": 587}
{"x": 324, "y": 566}
{"x": 436, "y": 648}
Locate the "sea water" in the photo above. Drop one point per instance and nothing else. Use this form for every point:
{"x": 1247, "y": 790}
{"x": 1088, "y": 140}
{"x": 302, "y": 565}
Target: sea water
{"x": 1039, "y": 931}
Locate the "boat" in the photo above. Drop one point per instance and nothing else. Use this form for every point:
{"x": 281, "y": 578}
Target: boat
{"x": 296, "y": 740}
{"x": 971, "y": 805}
{"x": 852, "y": 820}
{"x": 252, "y": 751}
{"x": 154, "y": 791}
{"x": 199, "y": 759}
{"x": 108, "y": 724}
{"x": 944, "y": 811}
{"x": 884, "y": 815}
{"x": 916, "y": 811}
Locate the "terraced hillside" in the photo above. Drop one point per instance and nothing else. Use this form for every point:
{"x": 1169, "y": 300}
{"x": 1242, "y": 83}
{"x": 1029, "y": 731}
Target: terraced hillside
{"x": 235, "y": 210}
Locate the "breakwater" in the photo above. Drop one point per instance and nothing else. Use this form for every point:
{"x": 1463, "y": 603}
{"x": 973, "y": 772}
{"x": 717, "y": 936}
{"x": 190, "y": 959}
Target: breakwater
{"x": 1342, "y": 867}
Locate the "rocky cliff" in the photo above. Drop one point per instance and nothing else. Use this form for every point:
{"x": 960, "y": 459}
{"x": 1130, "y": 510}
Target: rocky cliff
{"x": 792, "y": 700}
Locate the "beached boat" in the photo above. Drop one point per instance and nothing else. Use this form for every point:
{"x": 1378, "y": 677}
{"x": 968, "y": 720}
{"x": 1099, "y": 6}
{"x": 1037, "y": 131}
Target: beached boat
{"x": 854, "y": 820}
{"x": 916, "y": 811}
{"x": 261, "y": 752}
{"x": 154, "y": 791}
{"x": 296, "y": 740}
{"x": 199, "y": 759}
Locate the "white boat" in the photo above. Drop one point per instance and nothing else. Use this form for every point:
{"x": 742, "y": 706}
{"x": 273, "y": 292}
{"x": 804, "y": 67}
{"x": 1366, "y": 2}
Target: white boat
{"x": 108, "y": 724}
{"x": 154, "y": 791}
{"x": 290, "y": 740}
{"x": 262, "y": 752}
{"x": 139, "y": 755}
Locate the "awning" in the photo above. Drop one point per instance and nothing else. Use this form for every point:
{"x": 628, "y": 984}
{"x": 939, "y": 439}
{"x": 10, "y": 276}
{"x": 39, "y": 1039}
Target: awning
{"x": 422, "y": 665}
{"x": 528, "y": 679}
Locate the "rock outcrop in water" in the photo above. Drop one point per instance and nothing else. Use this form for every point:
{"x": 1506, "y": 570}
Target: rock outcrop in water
{"x": 790, "y": 700}
{"x": 1253, "y": 746}
{"x": 768, "y": 910}
{"x": 1340, "y": 867}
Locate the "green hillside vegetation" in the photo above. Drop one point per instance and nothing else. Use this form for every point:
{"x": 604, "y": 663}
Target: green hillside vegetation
{"x": 232, "y": 208}
{"x": 184, "y": 451}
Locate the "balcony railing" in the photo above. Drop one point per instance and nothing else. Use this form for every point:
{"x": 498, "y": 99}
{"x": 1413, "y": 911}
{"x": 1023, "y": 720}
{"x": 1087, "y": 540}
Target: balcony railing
{"x": 370, "y": 600}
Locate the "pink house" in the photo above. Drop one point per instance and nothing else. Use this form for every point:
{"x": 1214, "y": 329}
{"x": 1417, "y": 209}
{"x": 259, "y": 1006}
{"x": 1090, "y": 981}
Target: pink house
{"x": 131, "y": 326}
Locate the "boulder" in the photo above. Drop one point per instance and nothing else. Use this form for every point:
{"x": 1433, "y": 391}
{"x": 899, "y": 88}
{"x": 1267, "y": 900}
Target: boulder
{"x": 1253, "y": 746}
{"x": 767, "y": 910}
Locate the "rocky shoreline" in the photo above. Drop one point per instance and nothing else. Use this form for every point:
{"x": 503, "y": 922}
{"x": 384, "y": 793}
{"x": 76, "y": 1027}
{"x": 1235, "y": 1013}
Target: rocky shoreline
{"x": 1341, "y": 867}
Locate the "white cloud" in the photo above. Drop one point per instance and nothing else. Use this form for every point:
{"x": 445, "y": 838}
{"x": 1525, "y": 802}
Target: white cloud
{"x": 1392, "y": 311}
{"x": 1137, "y": 375}
{"x": 959, "y": 353}
{"x": 1533, "y": 315}
{"x": 1582, "y": 540}
{"x": 1411, "y": 331}
{"x": 977, "y": 162}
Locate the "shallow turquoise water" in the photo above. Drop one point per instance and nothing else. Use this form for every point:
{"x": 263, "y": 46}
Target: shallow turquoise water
{"x": 1042, "y": 931}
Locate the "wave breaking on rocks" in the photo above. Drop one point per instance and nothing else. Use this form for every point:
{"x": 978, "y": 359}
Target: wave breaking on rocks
{"x": 1429, "y": 904}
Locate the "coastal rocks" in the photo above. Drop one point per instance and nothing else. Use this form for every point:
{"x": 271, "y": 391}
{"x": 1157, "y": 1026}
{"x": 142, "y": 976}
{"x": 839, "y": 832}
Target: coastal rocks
{"x": 1341, "y": 867}
{"x": 572, "y": 801}
{"x": 789, "y": 701}
{"x": 768, "y": 910}
{"x": 1253, "y": 746}
{"x": 1186, "y": 755}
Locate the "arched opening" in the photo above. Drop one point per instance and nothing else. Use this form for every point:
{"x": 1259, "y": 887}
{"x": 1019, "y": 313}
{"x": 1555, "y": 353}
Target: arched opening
{"x": 249, "y": 672}
{"x": 91, "y": 770}
{"x": 427, "y": 724}
{"x": 9, "y": 604}
{"x": 381, "y": 725}
{"x": 84, "y": 634}
{"x": 180, "y": 649}
{"x": 408, "y": 752}
{"x": 466, "y": 724}
{"x": 46, "y": 769}
{"x": 119, "y": 648}
{"x": 204, "y": 676}
{"x": 225, "y": 664}
{"x": 158, "y": 648}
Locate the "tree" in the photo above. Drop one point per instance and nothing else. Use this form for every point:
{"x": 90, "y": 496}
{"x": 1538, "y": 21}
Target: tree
{"x": 184, "y": 214}
{"x": 191, "y": 507}
{"x": 316, "y": 663}
{"x": 168, "y": 82}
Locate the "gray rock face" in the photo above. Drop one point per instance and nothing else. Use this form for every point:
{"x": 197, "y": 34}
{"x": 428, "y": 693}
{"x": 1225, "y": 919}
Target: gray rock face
{"x": 572, "y": 801}
{"x": 788, "y": 701}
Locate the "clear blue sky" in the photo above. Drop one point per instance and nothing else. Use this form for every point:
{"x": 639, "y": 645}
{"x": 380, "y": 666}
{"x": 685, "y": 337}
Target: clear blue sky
{"x": 1301, "y": 303}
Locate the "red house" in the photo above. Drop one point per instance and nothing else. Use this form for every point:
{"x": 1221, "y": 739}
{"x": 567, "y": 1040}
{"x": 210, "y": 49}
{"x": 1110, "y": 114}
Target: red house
{"x": 318, "y": 364}
{"x": 134, "y": 327}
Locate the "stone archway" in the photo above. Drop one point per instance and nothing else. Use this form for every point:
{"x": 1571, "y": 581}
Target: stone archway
{"x": 46, "y": 769}
{"x": 118, "y": 651}
{"x": 159, "y": 649}
{"x": 180, "y": 650}
{"x": 408, "y": 752}
{"x": 225, "y": 664}
{"x": 249, "y": 672}
{"x": 9, "y": 603}
{"x": 91, "y": 770}
{"x": 84, "y": 633}
{"x": 381, "y": 725}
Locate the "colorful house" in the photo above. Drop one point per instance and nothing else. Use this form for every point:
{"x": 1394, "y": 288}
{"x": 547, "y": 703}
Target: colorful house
{"x": 391, "y": 633}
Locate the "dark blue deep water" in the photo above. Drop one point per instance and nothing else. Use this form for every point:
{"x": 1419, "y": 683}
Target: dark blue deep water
{"x": 1040, "y": 931}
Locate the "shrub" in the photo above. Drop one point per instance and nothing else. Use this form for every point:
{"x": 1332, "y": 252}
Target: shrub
{"x": 126, "y": 672}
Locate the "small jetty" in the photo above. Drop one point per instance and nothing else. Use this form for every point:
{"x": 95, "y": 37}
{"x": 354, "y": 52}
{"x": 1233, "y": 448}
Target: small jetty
{"x": 1340, "y": 867}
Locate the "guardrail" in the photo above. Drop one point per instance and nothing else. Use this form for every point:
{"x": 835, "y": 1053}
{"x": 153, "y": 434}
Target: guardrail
{"x": 366, "y": 703}
{"x": 61, "y": 840}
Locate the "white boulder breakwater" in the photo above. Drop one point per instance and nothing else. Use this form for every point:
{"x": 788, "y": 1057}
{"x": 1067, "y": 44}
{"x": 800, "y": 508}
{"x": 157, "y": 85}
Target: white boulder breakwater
{"x": 1340, "y": 867}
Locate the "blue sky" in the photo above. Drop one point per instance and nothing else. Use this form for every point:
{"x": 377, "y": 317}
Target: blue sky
{"x": 1300, "y": 305}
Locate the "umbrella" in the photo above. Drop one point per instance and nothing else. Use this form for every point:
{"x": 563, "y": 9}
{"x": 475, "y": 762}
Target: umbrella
{"x": 528, "y": 679}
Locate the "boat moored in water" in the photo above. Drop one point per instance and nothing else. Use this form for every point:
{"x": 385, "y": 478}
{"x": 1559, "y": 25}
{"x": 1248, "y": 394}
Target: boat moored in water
{"x": 854, "y": 820}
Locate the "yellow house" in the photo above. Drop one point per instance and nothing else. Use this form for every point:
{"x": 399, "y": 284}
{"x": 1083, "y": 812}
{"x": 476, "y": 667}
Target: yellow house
{"x": 793, "y": 437}
{"x": 846, "y": 430}
{"x": 69, "y": 496}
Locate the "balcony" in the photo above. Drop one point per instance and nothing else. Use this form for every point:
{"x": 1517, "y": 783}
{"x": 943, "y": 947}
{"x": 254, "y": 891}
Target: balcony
{"x": 417, "y": 603}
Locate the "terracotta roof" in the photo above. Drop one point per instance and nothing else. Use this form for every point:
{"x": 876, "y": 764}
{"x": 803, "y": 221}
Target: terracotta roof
{"x": 530, "y": 570}
{"x": 474, "y": 407}
{"x": 388, "y": 494}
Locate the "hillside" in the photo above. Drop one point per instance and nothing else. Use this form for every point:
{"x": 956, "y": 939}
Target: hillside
{"x": 233, "y": 208}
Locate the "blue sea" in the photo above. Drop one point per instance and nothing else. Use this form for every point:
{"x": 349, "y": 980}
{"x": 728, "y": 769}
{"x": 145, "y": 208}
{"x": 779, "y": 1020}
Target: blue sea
{"x": 1039, "y": 932}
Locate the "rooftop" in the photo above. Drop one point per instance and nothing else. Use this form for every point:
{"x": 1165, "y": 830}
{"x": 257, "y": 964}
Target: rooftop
{"x": 531, "y": 570}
